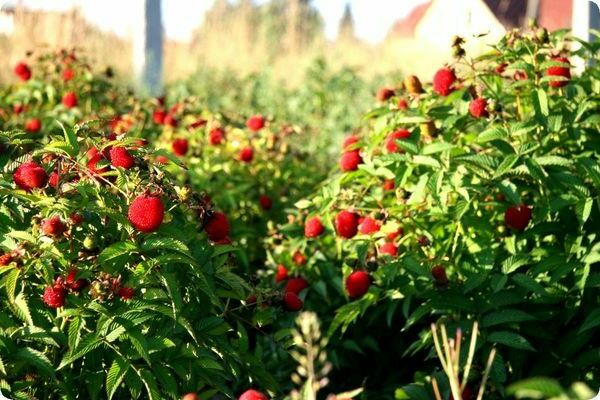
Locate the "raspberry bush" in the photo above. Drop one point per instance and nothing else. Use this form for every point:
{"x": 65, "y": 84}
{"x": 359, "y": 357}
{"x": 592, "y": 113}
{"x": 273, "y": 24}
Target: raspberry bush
{"x": 473, "y": 199}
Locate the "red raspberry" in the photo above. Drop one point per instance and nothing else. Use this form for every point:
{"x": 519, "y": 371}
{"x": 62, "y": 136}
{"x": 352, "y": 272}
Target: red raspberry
{"x": 389, "y": 184}
{"x": 53, "y": 180}
{"x": 253, "y": 395}
{"x": 30, "y": 175}
{"x": 282, "y": 273}
{"x": 350, "y": 161}
{"x": 126, "y": 293}
{"x": 120, "y": 157}
{"x": 560, "y": 71}
{"x": 18, "y": 108}
{"x": 22, "y": 71}
{"x": 33, "y": 125}
{"x": 265, "y": 202}
{"x": 443, "y": 81}
{"x": 313, "y": 227}
{"x": 69, "y": 100}
{"x": 180, "y": 147}
{"x": 171, "y": 121}
{"x": 76, "y": 218}
{"x": 478, "y": 108}
{"x": 292, "y": 302}
{"x": 190, "y": 396}
{"x": 349, "y": 142}
{"x": 146, "y": 213}
{"x": 94, "y": 157}
{"x": 296, "y": 285}
{"x": 517, "y": 217}
{"x": 247, "y": 154}
{"x": 368, "y": 226}
{"x": 402, "y": 104}
{"x": 390, "y": 144}
{"x": 217, "y": 227}
{"x": 439, "y": 275}
{"x": 54, "y": 296}
{"x": 384, "y": 94}
{"x": 5, "y": 259}
{"x": 68, "y": 74}
{"x": 393, "y": 235}
{"x": 255, "y": 123}
{"x": 357, "y": 284}
{"x": 299, "y": 258}
{"x": 158, "y": 116}
{"x": 76, "y": 285}
{"x": 346, "y": 224}
{"x": 389, "y": 248}
{"x": 216, "y": 136}
{"x": 54, "y": 226}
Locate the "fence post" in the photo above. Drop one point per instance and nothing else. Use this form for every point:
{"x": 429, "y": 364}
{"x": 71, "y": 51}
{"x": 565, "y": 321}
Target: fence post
{"x": 586, "y": 16}
{"x": 148, "y": 47}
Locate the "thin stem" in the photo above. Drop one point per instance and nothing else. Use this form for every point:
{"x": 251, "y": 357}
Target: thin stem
{"x": 471, "y": 354}
{"x": 436, "y": 389}
{"x": 486, "y": 374}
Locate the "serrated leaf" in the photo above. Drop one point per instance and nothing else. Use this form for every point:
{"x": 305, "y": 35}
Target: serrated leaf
{"x": 437, "y": 147}
{"x": 150, "y": 384}
{"x": 162, "y": 243}
{"x": 88, "y": 344}
{"x": 36, "y": 358}
{"x": 22, "y": 308}
{"x": 513, "y": 263}
{"x": 510, "y": 339}
{"x": 10, "y": 283}
{"x": 116, "y": 250}
{"x": 505, "y": 316}
{"x": 115, "y": 376}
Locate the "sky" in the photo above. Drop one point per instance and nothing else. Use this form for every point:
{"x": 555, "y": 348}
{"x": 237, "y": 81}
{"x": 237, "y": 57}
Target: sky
{"x": 373, "y": 18}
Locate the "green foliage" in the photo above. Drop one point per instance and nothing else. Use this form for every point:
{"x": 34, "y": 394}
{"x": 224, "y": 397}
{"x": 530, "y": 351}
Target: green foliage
{"x": 534, "y": 291}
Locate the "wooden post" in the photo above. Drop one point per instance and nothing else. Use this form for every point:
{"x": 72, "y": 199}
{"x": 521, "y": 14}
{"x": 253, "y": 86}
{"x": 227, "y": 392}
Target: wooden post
{"x": 148, "y": 47}
{"x": 586, "y": 16}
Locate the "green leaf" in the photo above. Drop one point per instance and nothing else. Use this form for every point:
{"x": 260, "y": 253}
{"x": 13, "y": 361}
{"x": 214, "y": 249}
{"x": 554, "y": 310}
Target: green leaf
{"x": 150, "y": 384}
{"x": 505, "y": 316}
{"x": 513, "y": 263}
{"x": 71, "y": 139}
{"x": 540, "y": 104}
{"x": 592, "y": 321}
{"x": 163, "y": 243}
{"x": 116, "y": 250}
{"x": 505, "y": 165}
{"x": 510, "y": 339}
{"x": 302, "y": 204}
{"x": 36, "y": 358}
{"x": 22, "y": 308}
{"x": 10, "y": 283}
{"x": 88, "y": 344}
{"x": 437, "y": 147}
{"x": 583, "y": 209}
{"x": 535, "y": 388}
{"x": 115, "y": 376}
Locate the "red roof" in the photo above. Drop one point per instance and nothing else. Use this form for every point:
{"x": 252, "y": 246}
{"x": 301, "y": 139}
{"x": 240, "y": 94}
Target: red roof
{"x": 406, "y": 27}
{"x": 555, "y": 14}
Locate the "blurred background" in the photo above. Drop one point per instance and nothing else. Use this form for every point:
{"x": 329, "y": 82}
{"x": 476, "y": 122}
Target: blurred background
{"x": 280, "y": 37}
